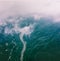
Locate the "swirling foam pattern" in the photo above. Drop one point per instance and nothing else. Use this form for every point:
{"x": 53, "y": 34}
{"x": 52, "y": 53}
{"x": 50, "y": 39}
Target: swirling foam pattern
{"x": 42, "y": 37}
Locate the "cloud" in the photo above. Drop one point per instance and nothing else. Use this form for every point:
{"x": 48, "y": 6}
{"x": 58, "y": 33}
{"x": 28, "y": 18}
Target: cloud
{"x": 23, "y": 7}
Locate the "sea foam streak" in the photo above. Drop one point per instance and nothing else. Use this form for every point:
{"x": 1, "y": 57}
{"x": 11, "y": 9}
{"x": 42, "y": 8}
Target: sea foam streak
{"x": 24, "y": 46}
{"x": 26, "y": 31}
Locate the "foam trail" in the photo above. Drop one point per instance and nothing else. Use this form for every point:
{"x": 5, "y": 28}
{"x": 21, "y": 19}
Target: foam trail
{"x": 24, "y": 46}
{"x": 24, "y": 31}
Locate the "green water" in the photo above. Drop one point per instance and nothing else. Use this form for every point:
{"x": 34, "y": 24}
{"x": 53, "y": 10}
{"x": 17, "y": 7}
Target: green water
{"x": 43, "y": 44}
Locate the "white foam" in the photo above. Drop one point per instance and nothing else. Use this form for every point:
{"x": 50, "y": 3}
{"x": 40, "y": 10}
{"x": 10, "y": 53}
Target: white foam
{"x": 27, "y": 30}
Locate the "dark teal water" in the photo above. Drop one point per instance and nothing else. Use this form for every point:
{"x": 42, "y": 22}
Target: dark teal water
{"x": 42, "y": 45}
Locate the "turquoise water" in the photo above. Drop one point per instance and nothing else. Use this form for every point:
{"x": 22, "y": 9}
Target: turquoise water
{"x": 42, "y": 45}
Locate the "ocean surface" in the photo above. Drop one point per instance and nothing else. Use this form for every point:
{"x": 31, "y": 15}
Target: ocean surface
{"x": 29, "y": 39}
